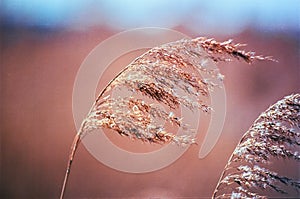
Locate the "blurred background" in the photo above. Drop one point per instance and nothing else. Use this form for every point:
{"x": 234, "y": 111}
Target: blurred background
{"x": 42, "y": 45}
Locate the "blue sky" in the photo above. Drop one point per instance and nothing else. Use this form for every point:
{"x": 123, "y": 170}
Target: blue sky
{"x": 228, "y": 16}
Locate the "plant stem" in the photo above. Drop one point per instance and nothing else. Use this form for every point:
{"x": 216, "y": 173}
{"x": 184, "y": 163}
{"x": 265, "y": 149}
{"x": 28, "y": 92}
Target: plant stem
{"x": 77, "y": 137}
{"x": 71, "y": 157}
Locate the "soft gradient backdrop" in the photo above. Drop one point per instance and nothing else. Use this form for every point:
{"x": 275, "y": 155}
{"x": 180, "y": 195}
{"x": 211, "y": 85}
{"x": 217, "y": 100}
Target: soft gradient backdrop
{"x": 42, "y": 46}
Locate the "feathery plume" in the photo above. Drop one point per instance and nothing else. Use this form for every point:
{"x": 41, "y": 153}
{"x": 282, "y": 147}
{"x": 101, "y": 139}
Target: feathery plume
{"x": 275, "y": 134}
{"x": 169, "y": 75}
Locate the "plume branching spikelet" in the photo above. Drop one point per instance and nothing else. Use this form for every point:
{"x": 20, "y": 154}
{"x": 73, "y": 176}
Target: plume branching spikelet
{"x": 222, "y": 51}
{"x": 169, "y": 75}
{"x": 275, "y": 134}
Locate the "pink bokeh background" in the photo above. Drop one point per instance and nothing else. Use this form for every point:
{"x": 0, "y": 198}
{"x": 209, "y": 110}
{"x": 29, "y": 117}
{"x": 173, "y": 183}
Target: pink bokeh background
{"x": 37, "y": 73}
{"x": 37, "y": 128}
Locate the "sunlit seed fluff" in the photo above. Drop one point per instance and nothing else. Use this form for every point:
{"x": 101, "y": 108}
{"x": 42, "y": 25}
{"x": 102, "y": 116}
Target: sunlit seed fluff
{"x": 168, "y": 75}
{"x": 275, "y": 134}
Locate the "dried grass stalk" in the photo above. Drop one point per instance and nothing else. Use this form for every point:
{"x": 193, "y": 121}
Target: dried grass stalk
{"x": 169, "y": 75}
{"x": 275, "y": 134}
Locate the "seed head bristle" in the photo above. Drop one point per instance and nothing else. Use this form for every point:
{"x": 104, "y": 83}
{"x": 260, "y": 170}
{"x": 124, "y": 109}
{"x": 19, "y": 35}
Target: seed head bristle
{"x": 169, "y": 75}
{"x": 228, "y": 48}
{"x": 274, "y": 135}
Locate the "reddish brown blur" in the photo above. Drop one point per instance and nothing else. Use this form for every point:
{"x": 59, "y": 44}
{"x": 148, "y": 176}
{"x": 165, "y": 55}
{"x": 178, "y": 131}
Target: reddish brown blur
{"x": 38, "y": 70}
